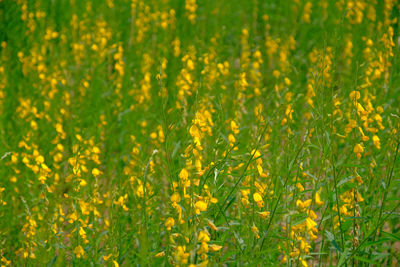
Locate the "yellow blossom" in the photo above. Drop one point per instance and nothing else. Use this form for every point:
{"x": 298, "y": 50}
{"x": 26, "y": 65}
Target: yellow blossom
{"x": 160, "y": 254}
{"x": 183, "y": 175}
{"x": 214, "y": 247}
{"x": 376, "y": 141}
{"x": 310, "y": 223}
{"x": 354, "y": 95}
{"x": 257, "y": 197}
{"x": 318, "y": 199}
{"x": 200, "y": 206}
{"x": 169, "y": 223}
{"x": 212, "y": 225}
{"x": 79, "y": 252}
{"x": 358, "y": 149}
{"x": 96, "y": 172}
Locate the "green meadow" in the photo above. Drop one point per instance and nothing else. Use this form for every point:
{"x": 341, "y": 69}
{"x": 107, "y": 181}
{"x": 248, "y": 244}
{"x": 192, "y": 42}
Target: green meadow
{"x": 199, "y": 133}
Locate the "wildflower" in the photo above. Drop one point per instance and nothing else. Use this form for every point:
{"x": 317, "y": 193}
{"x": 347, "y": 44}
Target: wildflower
{"x": 310, "y": 223}
{"x": 303, "y": 262}
{"x": 359, "y": 197}
{"x": 200, "y": 206}
{"x": 376, "y": 141}
{"x": 160, "y": 254}
{"x": 79, "y": 252}
{"x": 96, "y": 172}
{"x": 264, "y": 214}
{"x": 364, "y": 137}
{"x": 169, "y": 223}
{"x": 300, "y": 187}
{"x": 42, "y": 179}
{"x": 214, "y": 247}
{"x": 181, "y": 256}
{"x": 254, "y": 229}
{"x": 96, "y": 150}
{"x": 212, "y": 225}
{"x": 257, "y": 197}
{"x": 318, "y": 199}
{"x": 234, "y": 127}
{"x": 303, "y": 205}
{"x": 358, "y": 149}
{"x": 203, "y": 236}
{"x": 39, "y": 159}
{"x": 106, "y": 258}
{"x": 175, "y": 197}
{"x": 82, "y": 182}
{"x": 354, "y": 95}
{"x": 183, "y": 175}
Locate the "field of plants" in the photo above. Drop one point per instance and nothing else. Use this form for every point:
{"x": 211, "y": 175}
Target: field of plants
{"x": 199, "y": 133}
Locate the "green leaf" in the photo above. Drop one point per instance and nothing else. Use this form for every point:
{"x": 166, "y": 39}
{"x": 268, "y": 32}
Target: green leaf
{"x": 331, "y": 238}
{"x": 329, "y": 235}
{"x": 345, "y": 180}
{"x": 336, "y": 245}
{"x": 343, "y": 257}
{"x": 375, "y": 242}
{"x": 366, "y": 260}
{"x": 346, "y": 225}
{"x": 393, "y": 236}
{"x": 51, "y": 263}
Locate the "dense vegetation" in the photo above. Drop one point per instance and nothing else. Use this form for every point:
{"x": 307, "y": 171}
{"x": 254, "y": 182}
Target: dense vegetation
{"x": 195, "y": 133}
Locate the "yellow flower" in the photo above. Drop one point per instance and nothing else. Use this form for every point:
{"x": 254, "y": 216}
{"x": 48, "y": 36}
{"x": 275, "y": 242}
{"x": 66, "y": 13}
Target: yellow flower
{"x": 106, "y": 258}
{"x": 231, "y": 139}
{"x": 79, "y": 252}
{"x": 364, "y": 137}
{"x": 376, "y": 141}
{"x": 234, "y": 127}
{"x": 190, "y": 64}
{"x": 203, "y": 237}
{"x": 300, "y": 187}
{"x": 160, "y": 254}
{"x": 82, "y": 182}
{"x": 194, "y": 132}
{"x": 212, "y": 225}
{"x": 304, "y": 204}
{"x": 358, "y": 149}
{"x": 82, "y": 231}
{"x": 254, "y": 229}
{"x": 183, "y": 175}
{"x": 354, "y": 95}
{"x": 175, "y": 197}
{"x": 310, "y": 223}
{"x": 359, "y": 197}
{"x": 257, "y": 197}
{"x": 96, "y": 172}
{"x": 200, "y": 206}
{"x": 213, "y": 200}
{"x": 39, "y": 159}
{"x": 264, "y": 214}
{"x": 180, "y": 256}
{"x": 42, "y": 179}
{"x": 214, "y": 247}
{"x": 303, "y": 262}
{"x": 318, "y": 199}
{"x": 96, "y": 150}
{"x": 169, "y": 223}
